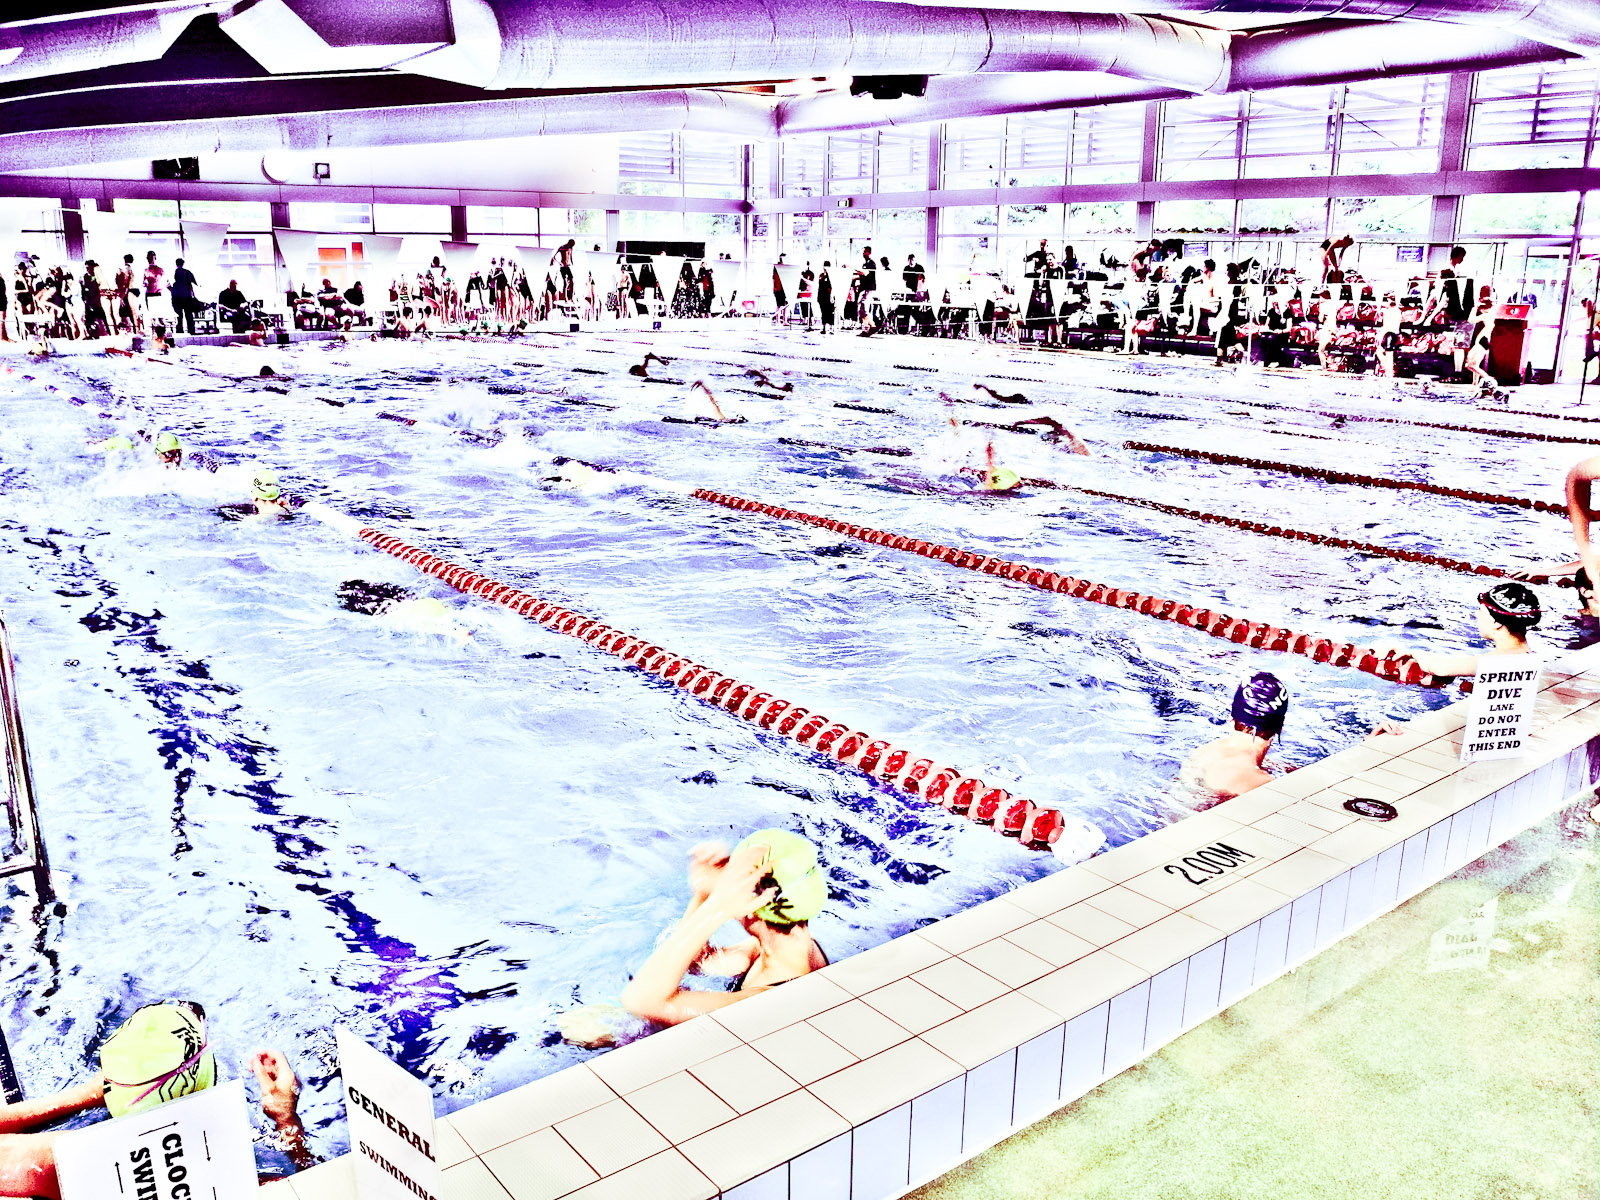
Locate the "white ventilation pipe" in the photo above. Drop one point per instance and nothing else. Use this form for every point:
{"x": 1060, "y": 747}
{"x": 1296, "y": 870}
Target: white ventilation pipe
{"x": 58, "y": 46}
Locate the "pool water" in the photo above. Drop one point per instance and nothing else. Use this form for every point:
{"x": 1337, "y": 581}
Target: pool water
{"x": 304, "y": 817}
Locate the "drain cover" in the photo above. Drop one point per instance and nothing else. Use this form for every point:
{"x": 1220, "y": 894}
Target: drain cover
{"x": 1375, "y": 810}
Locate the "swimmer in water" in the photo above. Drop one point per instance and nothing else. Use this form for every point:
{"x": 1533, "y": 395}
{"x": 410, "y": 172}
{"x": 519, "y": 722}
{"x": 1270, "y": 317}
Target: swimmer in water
{"x": 1014, "y": 398}
{"x": 267, "y": 496}
{"x": 1506, "y": 612}
{"x": 760, "y": 377}
{"x": 773, "y": 885}
{"x": 699, "y": 385}
{"x": 1055, "y": 432}
{"x": 1581, "y": 510}
{"x": 1231, "y": 765}
{"x": 115, "y": 444}
{"x": 1586, "y": 597}
{"x": 400, "y": 608}
{"x": 168, "y": 450}
{"x": 642, "y": 370}
{"x": 159, "y": 1054}
{"x": 995, "y": 477}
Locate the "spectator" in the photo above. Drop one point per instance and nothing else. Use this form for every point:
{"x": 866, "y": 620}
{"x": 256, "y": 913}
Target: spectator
{"x": 183, "y": 301}
{"x": 233, "y": 308}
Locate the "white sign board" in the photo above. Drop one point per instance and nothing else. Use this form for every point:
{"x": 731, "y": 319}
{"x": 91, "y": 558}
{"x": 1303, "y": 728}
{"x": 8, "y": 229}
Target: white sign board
{"x": 1500, "y": 713}
{"x": 1464, "y": 944}
{"x": 391, "y": 1125}
{"x": 195, "y": 1148}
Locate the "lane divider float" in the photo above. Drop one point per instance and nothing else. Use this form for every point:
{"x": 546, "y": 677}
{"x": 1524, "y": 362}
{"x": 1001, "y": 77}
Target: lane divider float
{"x": 1331, "y": 476}
{"x": 879, "y": 758}
{"x": 1486, "y": 432}
{"x": 1257, "y": 635}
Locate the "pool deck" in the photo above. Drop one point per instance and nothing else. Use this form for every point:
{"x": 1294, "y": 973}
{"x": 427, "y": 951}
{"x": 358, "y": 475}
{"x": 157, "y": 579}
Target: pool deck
{"x": 881, "y": 1072}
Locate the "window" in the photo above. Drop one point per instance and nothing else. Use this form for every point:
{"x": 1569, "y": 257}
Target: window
{"x": 356, "y": 218}
{"x": 712, "y": 166}
{"x": 521, "y": 222}
{"x": 762, "y": 156}
{"x": 647, "y": 165}
{"x": 1037, "y": 148}
{"x": 848, "y": 230}
{"x": 1289, "y": 217}
{"x": 1108, "y": 218}
{"x": 1536, "y": 116}
{"x": 240, "y": 214}
{"x": 1190, "y": 217}
{"x": 1382, "y": 218}
{"x": 903, "y": 161}
{"x": 1290, "y": 132}
{"x": 411, "y": 218}
{"x": 1200, "y": 138}
{"x": 804, "y": 164}
{"x": 1392, "y": 126}
{"x": 850, "y": 162}
{"x": 972, "y": 153}
{"x": 1545, "y": 213}
{"x": 1107, "y": 144}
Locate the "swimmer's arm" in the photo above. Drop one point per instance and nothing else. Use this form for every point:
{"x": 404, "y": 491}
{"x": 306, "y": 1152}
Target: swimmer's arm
{"x": 1442, "y": 665}
{"x": 724, "y": 962}
{"x": 31, "y": 1114}
{"x": 28, "y": 1165}
{"x": 654, "y": 992}
{"x": 1580, "y": 482}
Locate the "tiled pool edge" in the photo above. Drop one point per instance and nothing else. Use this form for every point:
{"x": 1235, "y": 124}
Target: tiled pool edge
{"x": 884, "y": 1071}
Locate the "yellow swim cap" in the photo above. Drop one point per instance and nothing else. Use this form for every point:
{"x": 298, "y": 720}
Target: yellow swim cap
{"x": 791, "y": 864}
{"x": 1001, "y": 479}
{"x": 116, "y": 443}
{"x": 156, "y": 1055}
{"x": 265, "y": 486}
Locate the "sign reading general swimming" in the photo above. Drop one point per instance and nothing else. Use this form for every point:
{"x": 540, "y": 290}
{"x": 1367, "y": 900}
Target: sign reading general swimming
{"x": 391, "y": 1125}
{"x": 1501, "y": 709}
{"x": 194, "y": 1148}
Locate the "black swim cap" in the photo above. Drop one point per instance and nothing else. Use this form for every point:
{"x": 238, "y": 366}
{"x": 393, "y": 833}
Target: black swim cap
{"x": 1513, "y": 604}
{"x": 1261, "y": 703}
{"x": 1581, "y": 580}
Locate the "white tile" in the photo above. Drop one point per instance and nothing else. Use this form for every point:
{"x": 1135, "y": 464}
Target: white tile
{"x": 612, "y": 1136}
{"x": 1039, "y": 1075}
{"x": 936, "y": 1118}
{"x": 448, "y": 1145}
{"x": 1239, "y": 963}
{"x": 1332, "y": 919}
{"x": 1091, "y": 924}
{"x": 1386, "y": 880}
{"x": 540, "y": 1166}
{"x": 911, "y": 1006}
{"x": 773, "y": 1185}
{"x": 1129, "y": 906}
{"x": 859, "y": 1028}
{"x": 991, "y": 1094}
{"x": 1079, "y": 986}
{"x": 881, "y": 1156}
{"x": 643, "y": 1062}
{"x": 1361, "y": 905}
{"x": 976, "y": 925}
{"x": 1055, "y": 892}
{"x": 1050, "y": 942}
{"x": 333, "y": 1180}
{"x": 881, "y": 965}
{"x": 751, "y": 1145}
{"x": 823, "y": 1173}
{"x": 471, "y": 1180}
{"x": 1202, "y": 992}
{"x": 1433, "y": 861}
{"x": 986, "y": 1031}
{"x": 1236, "y": 906}
{"x": 1478, "y": 829}
{"x": 665, "y": 1176}
{"x": 1272, "y": 945}
{"x": 1413, "y": 851}
{"x": 1083, "y": 1063}
{"x": 1170, "y": 940}
{"x": 1165, "y": 1021}
{"x": 534, "y": 1106}
{"x": 1303, "y": 927}
{"x": 1011, "y": 965}
{"x": 961, "y": 983}
{"x": 743, "y": 1079}
{"x": 875, "y": 1085}
{"x": 803, "y": 1053}
{"x": 1125, "y": 1025}
{"x": 680, "y": 1107}
{"x": 770, "y": 1011}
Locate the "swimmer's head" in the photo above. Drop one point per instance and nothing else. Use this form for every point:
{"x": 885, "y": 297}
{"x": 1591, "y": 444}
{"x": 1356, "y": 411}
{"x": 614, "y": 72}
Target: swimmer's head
{"x": 116, "y": 442}
{"x": 1512, "y": 605}
{"x": 794, "y": 869}
{"x": 367, "y": 597}
{"x": 1260, "y": 705}
{"x": 1585, "y": 588}
{"x": 264, "y": 486}
{"x": 156, "y": 1055}
{"x": 266, "y": 373}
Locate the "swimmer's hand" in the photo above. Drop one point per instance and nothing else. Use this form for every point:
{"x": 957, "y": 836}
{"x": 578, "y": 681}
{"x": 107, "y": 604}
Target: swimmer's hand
{"x": 738, "y": 892}
{"x": 280, "y": 1086}
{"x": 706, "y": 863}
{"x": 1384, "y": 729}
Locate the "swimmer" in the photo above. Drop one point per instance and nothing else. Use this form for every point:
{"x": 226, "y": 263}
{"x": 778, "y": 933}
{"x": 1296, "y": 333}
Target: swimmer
{"x": 1586, "y": 597}
{"x": 995, "y": 477}
{"x": 773, "y": 885}
{"x": 115, "y": 444}
{"x": 699, "y": 385}
{"x": 168, "y": 450}
{"x": 267, "y": 496}
{"x": 1231, "y": 765}
{"x": 760, "y": 377}
{"x": 1054, "y": 432}
{"x": 642, "y": 370}
{"x": 158, "y": 1054}
{"x": 1014, "y": 398}
{"x": 400, "y": 608}
{"x": 1581, "y": 510}
{"x": 1506, "y": 612}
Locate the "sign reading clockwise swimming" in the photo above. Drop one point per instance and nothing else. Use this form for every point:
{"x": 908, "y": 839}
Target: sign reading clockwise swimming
{"x": 1500, "y": 713}
{"x": 194, "y": 1148}
{"x": 391, "y": 1125}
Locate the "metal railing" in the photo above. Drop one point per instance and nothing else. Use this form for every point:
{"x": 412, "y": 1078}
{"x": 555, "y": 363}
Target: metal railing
{"x": 26, "y": 855}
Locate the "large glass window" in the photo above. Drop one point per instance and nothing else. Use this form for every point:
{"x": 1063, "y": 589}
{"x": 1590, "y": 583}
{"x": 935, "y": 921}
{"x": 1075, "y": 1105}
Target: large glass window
{"x": 519, "y": 222}
{"x": 1392, "y": 126}
{"x": 1536, "y": 116}
{"x": 1037, "y": 148}
{"x": 648, "y": 164}
{"x": 973, "y": 152}
{"x": 850, "y": 162}
{"x": 354, "y": 218}
{"x": 1290, "y": 132}
{"x": 411, "y": 218}
{"x": 1200, "y": 138}
{"x": 713, "y": 166}
{"x": 903, "y": 161}
{"x": 1541, "y": 213}
{"x": 1107, "y": 144}
{"x": 805, "y": 161}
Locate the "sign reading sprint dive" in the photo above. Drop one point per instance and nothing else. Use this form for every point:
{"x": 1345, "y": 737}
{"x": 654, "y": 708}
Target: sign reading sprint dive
{"x": 1501, "y": 709}
{"x": 391, "y": 1125}
{"x": 194, "y": 1148}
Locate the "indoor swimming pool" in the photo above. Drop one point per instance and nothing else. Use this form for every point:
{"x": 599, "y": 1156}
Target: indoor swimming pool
{"x": 305, "y": 816}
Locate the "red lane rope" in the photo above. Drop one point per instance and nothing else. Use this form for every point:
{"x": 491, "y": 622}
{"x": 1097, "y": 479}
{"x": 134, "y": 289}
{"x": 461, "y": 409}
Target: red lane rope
{"x": 1504, "y": 433}
{"x": 1404, "y": 485}
{"x": 1528, "y": 412}
{"x": 961, "y": 794}
{"x": 1255, "y": 634}
{"x": 1316, "y": 539}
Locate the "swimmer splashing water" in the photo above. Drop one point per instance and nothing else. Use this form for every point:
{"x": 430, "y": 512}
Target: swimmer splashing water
{"x": 642, "y": 370}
